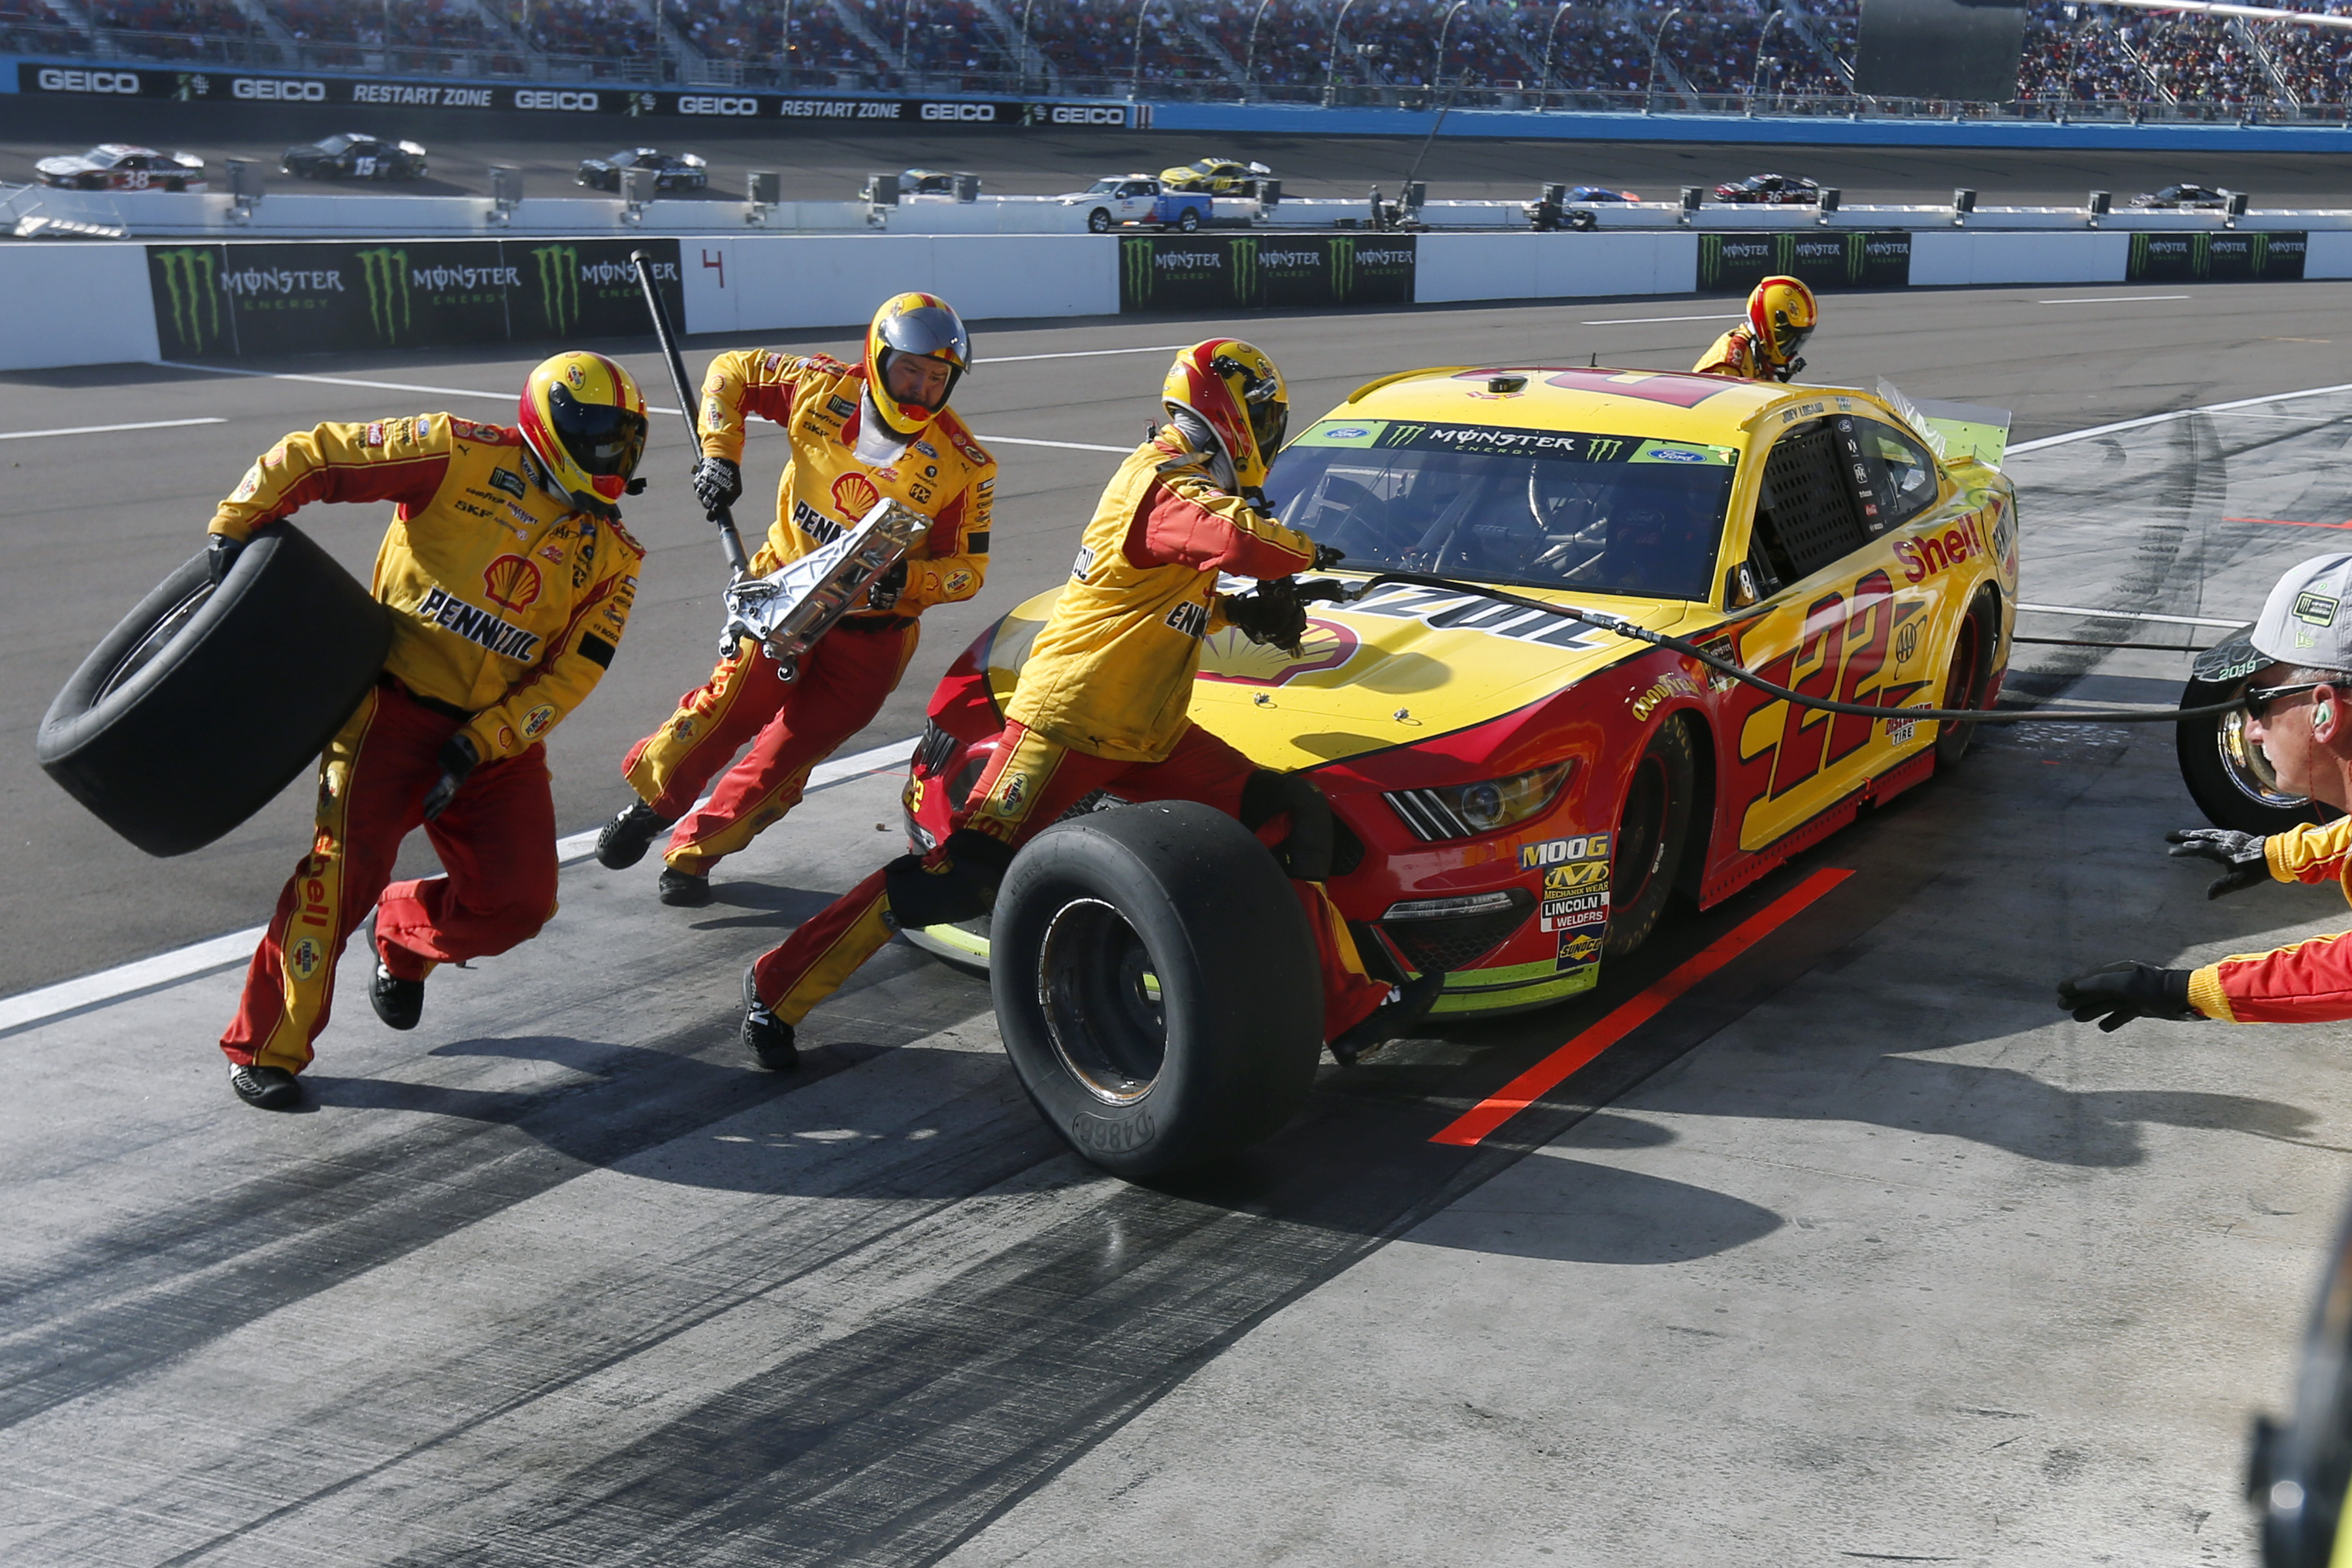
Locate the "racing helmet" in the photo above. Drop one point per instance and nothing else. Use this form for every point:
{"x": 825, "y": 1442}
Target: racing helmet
{"x": 584, "y": 420}
{"x": 913, "y": 324}
{"x": 1783, "y": 313}
{"x": 1235, "y": 389}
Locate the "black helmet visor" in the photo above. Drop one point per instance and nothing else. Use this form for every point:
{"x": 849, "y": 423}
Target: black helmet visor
{"x": 602, "y": 437}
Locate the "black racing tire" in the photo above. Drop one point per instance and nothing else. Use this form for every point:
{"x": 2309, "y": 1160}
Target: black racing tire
{"x": 2227, "y": 776}
{"x": 1652, "y": 833}
{"x": 1099, "y": 221}
{"x": 1156, "y": 986}
{"x": 175, "y": 186}
{"x": 203, "y": 704}
{"x": 1966, "y": 679}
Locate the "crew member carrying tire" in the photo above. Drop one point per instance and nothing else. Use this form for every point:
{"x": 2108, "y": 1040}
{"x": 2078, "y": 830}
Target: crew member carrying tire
{"x": 859, "y": 434}
{"x": 1101, "y": 704}
{"x": 509, "y": 580}
{"x": 1781, "y": 314}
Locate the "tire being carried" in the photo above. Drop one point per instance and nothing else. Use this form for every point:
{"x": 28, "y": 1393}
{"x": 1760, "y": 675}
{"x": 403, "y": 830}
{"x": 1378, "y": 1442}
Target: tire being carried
{"x": 205, "y": 702}
{"x": 1156, "y": 985}
{"x": 2226, "y": 774}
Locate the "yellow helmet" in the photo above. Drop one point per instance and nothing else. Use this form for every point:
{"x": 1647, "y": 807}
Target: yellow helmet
{"x": 584, "y": 420}
{"x": 1782, "y": 312}
{"x": 913, "y": 324}
{"x": 1233, "y": 388}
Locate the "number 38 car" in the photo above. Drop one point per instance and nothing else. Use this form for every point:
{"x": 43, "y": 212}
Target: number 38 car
{"x": 1519, "y": 795}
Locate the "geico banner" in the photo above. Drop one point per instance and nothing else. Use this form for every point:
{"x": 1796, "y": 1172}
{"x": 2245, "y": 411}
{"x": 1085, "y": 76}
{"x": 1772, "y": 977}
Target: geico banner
{"x": 2240, "y": 256}
{"x": 1735, "y": 263}
{"x": 1258, "y": 271}
{"x": 243, "y": 299}
{"x": 583, "y": 98}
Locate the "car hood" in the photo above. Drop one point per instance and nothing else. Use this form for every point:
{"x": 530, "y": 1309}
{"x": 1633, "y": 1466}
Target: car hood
{"x": 1405, "y": 665}
{"x": 72, "y": 163}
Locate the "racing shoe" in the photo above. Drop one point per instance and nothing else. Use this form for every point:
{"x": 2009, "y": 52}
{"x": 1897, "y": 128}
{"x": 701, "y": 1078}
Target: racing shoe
{"x": 266, "y": 1089}
{"x": 767, "y": 1040}
{"x": 1392, "y": 1018}
{"x": 622, "y": 842}
{"x": 399, "y": 1003}
{"x": 684, "y": 888}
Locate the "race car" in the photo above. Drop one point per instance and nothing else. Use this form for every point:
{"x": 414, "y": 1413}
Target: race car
{"x": 1599, "y": 193}
{"x": 1218, "y": 176}
{"x": 118, "y": 166}
{"x": 1774, "y": 190}
{"x": 671, "y": 170}
{"x": 1519, "y": 794}
{"x": 2183, "y": 195}
{"x": 355, "y": 157}
{"x": 932, "y": 186}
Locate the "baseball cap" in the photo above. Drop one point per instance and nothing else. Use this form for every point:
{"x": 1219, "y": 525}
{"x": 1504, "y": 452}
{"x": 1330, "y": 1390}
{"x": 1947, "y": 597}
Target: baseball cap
{"x": 2306, "y": 620}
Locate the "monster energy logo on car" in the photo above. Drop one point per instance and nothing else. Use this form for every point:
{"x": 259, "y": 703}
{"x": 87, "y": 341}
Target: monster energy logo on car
{"x": 559, "y": 285}
{"x": 386, "y": 272}
{"x": 188, "y": 279}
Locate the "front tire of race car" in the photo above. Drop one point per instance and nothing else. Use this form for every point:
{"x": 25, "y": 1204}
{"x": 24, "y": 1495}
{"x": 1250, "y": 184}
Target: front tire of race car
{"x": 205, "y": 702}
{"x": 1966, "y": 679}
{"x": 2226, "y": 774}
{"x": 1653, "y": 832}
{"x": 1156, "y": 986}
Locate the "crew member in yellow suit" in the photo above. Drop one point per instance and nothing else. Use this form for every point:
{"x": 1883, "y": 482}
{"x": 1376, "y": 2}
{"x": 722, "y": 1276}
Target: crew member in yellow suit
{"x": 1781, "y": 314}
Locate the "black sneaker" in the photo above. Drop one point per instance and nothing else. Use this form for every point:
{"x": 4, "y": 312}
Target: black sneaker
{"x": 399, "y": 1003}
{"x": 767, "y": 1040}
{"x": 1392, "y": 1018}
{"x": 268, "y": 1088}
{"x": 622, "y": 842}
{"x": 684, "y": 888}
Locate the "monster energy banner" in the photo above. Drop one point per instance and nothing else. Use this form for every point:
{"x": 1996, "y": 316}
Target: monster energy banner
{"x": 1225, "y": 272}
{"x": 334, "y": 296}
{"x": 2226, "y": 257}
{"x": 1735, "y": 263}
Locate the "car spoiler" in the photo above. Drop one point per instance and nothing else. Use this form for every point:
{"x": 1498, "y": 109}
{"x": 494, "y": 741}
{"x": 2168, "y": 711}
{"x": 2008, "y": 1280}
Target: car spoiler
{"x": 1955, "y": 430}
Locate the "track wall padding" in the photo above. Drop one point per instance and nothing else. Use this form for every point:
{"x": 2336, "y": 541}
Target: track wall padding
{"x": 1460, "y": 267}
{"x": 761, "y": 284}
{"x": 1960, "y": 259}
{"x": 75, "y": 304}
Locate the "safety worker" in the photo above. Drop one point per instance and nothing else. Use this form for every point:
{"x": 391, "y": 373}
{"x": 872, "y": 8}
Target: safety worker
{"x": 859, "y": 433}
{"x": 2297, "y": 666}
{"x": 1781, "y": 314}
{"x": 1101, "y": 704}
{"x": 510, "y": 580}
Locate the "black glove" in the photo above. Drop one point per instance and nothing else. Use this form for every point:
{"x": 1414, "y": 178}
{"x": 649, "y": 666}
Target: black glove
{"x": 888, "y": 587}
{"x": 2119, "y": 992}
{"x": 459, "y": 760}
{"x": 718, "y": 484}
{"x": 2240, "y": 854}
{"x": 220, "y": 553}
{"x": 1326, "y": 557}
{"x": 1274, "y": 615}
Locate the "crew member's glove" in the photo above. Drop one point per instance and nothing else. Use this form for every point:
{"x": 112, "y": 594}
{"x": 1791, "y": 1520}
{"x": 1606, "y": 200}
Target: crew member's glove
{"x": 1789, "y": 371}
{"x": 459, "y": 760}
{"x": 1326, "y": 557}
{"x": 2119, "y": 992}
{"x": 2240, "y": 854}
{"x": 1274, "y": 615}
{"x": 220, "y": 553}
{"x": 717, "y": 483}
{"x": 886, "y": 588}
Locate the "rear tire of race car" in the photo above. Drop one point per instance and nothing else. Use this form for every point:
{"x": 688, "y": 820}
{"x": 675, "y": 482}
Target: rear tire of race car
{"x": 1653, "y": 832}
{"x": 2227, "y": 776}
{"x": 1967, "y": 679}
{"x": 1098, "y": 222}
{"x": 205, "y": 702}
{"x": 1156, "y": 986}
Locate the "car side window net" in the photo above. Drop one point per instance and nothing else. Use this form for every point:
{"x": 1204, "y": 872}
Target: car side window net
{"x": 1809, "y": 515}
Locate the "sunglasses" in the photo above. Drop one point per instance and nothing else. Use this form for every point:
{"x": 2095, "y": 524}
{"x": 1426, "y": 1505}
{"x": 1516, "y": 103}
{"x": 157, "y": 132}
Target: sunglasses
{"x": 2259, "y": 698}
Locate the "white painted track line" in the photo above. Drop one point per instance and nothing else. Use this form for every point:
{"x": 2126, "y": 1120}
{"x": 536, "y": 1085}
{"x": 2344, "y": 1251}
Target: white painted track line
{"x": 127, "y": 980}
{"x": 1645, "y": 321}
{"x": 110, "y": 429}
{"x": 2131, "y": 615}
{"x": 2111, "y": 299}
{"x": 1065, "y": 445}
{"x": 983, "y": 361}
{"x": 2036, "y": 445}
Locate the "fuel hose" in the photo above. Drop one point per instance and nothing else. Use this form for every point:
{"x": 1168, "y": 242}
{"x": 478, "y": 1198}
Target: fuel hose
{"x": 1335, "y": 589}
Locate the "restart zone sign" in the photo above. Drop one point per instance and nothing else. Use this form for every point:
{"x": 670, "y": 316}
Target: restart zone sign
{"x": 240, "y": 298}
{"x": 1736, "y": 263}
{"x": 2244, "y": 255}
{"x": 1251, "y": 271}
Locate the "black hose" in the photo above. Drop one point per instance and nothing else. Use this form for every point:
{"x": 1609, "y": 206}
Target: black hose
{"x": 1626, "y": 628}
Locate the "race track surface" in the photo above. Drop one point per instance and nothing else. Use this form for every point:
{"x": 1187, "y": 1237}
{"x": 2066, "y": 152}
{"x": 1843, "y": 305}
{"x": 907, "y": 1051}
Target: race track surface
{"x": 1857, "y": 1252}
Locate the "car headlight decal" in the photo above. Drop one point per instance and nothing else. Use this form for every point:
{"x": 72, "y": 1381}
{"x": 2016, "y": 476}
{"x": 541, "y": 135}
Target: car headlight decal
{"x": 1468, "y": 811}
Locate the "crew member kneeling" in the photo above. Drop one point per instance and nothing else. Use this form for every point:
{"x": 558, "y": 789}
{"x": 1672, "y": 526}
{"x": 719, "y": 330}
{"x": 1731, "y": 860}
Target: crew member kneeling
{"x": 510, "y": 580}
{"x": 1781, "y": 314}
{"x": 1101, "y": 704}
{"x": 2299, "y": 711}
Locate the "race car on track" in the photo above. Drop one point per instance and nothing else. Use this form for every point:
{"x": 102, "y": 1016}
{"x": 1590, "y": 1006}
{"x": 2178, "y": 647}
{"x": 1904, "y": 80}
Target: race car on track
{"x": 1218, "y": 176}
{"x": 1777, "y": 190}
{"x": 1517, "y": 794}
{"x": 118, "y": 166}
{"x": 355, "y": 157}
{"x": 1598, "y": 193}
{"x": 2183, "y": 195}
{"x": 671, "y": 170}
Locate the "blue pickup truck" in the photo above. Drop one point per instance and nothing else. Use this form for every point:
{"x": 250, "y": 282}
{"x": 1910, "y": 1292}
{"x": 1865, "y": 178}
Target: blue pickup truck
{"x": 1141, "y": 199}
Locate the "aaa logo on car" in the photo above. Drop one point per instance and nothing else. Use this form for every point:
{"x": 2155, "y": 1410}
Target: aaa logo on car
{"x": 1229, "y": 656}
{"x": 511, "y": 582}
{"x": 854, "y": 496}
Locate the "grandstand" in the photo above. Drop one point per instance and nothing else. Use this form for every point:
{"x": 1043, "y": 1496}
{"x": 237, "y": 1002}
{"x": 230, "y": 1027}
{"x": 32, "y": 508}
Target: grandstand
{"x": 1782, "y": 56}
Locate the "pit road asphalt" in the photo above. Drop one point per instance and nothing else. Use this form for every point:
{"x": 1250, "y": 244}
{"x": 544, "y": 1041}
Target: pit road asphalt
{"x": 1858, "y": 1252}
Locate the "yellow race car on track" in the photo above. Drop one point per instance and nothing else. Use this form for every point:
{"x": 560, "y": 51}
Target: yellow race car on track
{"x": 1518, "y": 793}
{"x": 1218, "y": 176}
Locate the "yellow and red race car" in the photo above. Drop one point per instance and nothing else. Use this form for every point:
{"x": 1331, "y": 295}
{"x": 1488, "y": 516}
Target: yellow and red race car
{"x": 1519, "y": 794}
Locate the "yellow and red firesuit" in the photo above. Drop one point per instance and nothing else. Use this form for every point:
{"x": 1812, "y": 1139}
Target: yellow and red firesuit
{"x": 508, "y": 602}
{"x": 1781, "y": 314}
{"x": 943, "y": 473}
{"x": 2304, "y": 981}
{"x": 1100, "y": 704}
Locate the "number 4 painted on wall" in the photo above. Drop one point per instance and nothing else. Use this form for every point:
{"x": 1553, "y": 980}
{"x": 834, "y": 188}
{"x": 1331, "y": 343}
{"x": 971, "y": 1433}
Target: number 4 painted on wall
{"x": 716, "y": 260}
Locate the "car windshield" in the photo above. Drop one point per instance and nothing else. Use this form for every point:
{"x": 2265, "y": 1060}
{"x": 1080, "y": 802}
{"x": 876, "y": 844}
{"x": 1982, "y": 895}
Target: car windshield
{"x": 1546, "y": 509}
{"x": 337, "y": 143}
{"x": 1102, "y": 188}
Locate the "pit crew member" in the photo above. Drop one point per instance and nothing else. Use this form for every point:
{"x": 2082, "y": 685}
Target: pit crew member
{"x": 859, "y": 433}
{"x": 2299, "y": 711}
{"x": 1101, "y": 703}
{"x": 509, "y": 580}
{"x": 1781, "y": 314}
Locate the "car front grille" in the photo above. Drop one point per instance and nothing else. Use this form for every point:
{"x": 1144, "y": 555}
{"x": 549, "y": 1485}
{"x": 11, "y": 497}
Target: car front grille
{"x": 1456, "y": 941}
{"x": 1425, "y": 812}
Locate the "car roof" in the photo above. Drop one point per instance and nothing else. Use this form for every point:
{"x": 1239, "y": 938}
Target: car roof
{"x": 1669, "y": 404}
{"x": 122, "y": 149}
